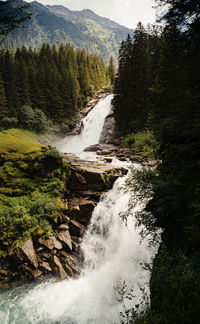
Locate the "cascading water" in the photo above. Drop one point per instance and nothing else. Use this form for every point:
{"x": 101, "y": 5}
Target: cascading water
{"x": 114, "y": 257}
{"x": 114, "y": 260}
{"x": 93, "y": 124}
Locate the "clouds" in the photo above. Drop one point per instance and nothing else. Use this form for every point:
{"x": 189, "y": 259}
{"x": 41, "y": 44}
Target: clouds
{"x": 125, "y": 12}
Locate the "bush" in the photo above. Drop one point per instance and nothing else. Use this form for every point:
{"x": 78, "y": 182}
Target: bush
{"x": 40, "y": 121}
{"x": 144, "y": 144}
{"x": 26, "y": 117}
{"x": 9, "y": 122}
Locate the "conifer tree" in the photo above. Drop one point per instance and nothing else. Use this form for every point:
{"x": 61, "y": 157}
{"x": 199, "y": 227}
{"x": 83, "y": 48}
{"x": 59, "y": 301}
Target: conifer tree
{"x": 112, "y": 70}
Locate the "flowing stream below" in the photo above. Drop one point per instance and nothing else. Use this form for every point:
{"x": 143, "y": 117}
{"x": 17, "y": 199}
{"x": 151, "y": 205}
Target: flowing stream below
{"x": 113, "y": 279}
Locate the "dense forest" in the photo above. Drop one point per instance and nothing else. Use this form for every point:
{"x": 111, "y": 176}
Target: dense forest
{"x": 49, "y": 85}
{"x": 157, "y": 90}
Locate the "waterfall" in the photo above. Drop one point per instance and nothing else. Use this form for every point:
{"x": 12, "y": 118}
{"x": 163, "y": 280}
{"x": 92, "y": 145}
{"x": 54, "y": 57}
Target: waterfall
{"x": 114, "y": 259}
{"x": 92, "y": 127}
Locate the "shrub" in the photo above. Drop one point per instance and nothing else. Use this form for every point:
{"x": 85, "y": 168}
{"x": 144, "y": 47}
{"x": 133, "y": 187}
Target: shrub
{"x": 9, "y": 122}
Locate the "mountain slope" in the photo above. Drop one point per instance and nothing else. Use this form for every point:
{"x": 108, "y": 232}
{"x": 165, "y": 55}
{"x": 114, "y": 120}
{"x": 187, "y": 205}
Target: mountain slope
{"x": 57, "y": 24}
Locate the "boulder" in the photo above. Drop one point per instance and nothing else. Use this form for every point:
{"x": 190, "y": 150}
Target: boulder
{"x": 94, "y": 174}
{"x": 51, "y": 242}
{"x": 81, "y": 209}
{"x": 29, "y": 252}
{"x": 93, "y": 148}
{"x": 65, "y": 237}
{"x": 106, "y": 136}
{"x": 45, "y": 266}
{"x": 58, "y": 268}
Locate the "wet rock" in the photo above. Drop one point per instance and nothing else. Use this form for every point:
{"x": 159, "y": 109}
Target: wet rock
{"x": 29, "y": 251}
{"x": 81, "y": 209}
{"x": 93, "y": 148}
{"x": 94, "y": 174}
{"x": 46, "y": 266}
{"x": 80, "y": 178}
{"x": 106, "y": 136}
{"x": 65, "y": 237}
{"x": 29, "y": 273}
{"x": 76, "y": 229}
{"x": 58, "y": 268}
{"x": 71, "y": 261}
{"x": 51, "y": 242}
{"x": 89, "y": 194}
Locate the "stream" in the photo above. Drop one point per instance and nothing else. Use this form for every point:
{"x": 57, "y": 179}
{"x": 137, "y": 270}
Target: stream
{"x": 113, "y": 278}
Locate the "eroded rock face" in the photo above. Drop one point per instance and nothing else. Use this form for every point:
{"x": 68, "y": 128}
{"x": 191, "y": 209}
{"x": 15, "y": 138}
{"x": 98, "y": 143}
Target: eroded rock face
{"x": 91, "y": 175}
{"x": 108, "y": 130}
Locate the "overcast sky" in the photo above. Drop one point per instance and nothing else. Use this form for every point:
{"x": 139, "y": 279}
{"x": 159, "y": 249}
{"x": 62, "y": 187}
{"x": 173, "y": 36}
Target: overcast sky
{"x": 124, "y": 12}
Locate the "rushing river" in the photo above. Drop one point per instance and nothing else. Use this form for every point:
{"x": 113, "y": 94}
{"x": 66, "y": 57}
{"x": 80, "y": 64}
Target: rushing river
{"x": 113, "y": 266}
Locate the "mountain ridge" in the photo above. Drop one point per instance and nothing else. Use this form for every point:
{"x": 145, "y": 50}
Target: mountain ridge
{"x": 57, "y": 24}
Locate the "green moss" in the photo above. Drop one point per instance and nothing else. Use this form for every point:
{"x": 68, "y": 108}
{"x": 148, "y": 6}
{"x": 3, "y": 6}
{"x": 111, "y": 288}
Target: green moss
{"x": 143, "y": 144}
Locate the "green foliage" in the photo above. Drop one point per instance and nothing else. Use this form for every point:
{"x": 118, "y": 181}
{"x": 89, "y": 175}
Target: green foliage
{"x": 175, "y": 285}
{"x": 9, "y": 122}
{"x": 51, "y": 84}
{"x": 112, "y": 70}
{"x": 26, "y": 117}
{"x": 175, "y": 203}
{"x": 135, "y": 76}
{"x": 30, "y": 193}
{"x": 144, "y": 144}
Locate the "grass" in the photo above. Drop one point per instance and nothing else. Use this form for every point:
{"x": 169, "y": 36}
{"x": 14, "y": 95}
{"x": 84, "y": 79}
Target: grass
{"x": 143, "y": 144}
{"x": 19, "y": 141}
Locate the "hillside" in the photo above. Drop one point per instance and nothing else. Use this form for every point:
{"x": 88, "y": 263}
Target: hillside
{"x": 57, "y": 24}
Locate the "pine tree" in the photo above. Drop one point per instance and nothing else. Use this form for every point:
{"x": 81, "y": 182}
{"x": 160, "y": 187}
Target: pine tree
{"x": 112, "y": 70}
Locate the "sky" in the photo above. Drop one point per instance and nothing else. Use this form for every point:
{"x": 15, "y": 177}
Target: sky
{"x": 124, "y": 12}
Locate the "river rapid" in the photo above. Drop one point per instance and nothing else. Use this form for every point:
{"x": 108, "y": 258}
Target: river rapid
{"x": 114, "y": 257}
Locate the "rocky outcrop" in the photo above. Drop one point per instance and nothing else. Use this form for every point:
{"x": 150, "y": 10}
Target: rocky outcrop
{"x": 109, "y": 151}
{"x": 108, "y": 130}
{"x": 58, "y": 253}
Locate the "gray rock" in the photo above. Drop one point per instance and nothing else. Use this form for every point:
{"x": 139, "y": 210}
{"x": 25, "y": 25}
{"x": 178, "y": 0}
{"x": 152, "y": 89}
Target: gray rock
{"x": 45, "y": 266}
{"x": 65, "y": 237}
{"x": 51, "y": 242}
{"x": 29, "y": 251}
{"x": 58, "y": 268}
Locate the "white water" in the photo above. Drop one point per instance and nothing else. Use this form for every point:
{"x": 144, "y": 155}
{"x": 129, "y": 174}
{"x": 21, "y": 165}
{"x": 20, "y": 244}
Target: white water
{"x": 114, "y": 257}
{"x": 93, "y": 124}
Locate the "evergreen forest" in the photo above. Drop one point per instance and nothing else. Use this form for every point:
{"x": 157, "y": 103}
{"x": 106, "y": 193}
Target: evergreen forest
{"x": 157, "y": 90}
{"x": 48, "y": 87}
